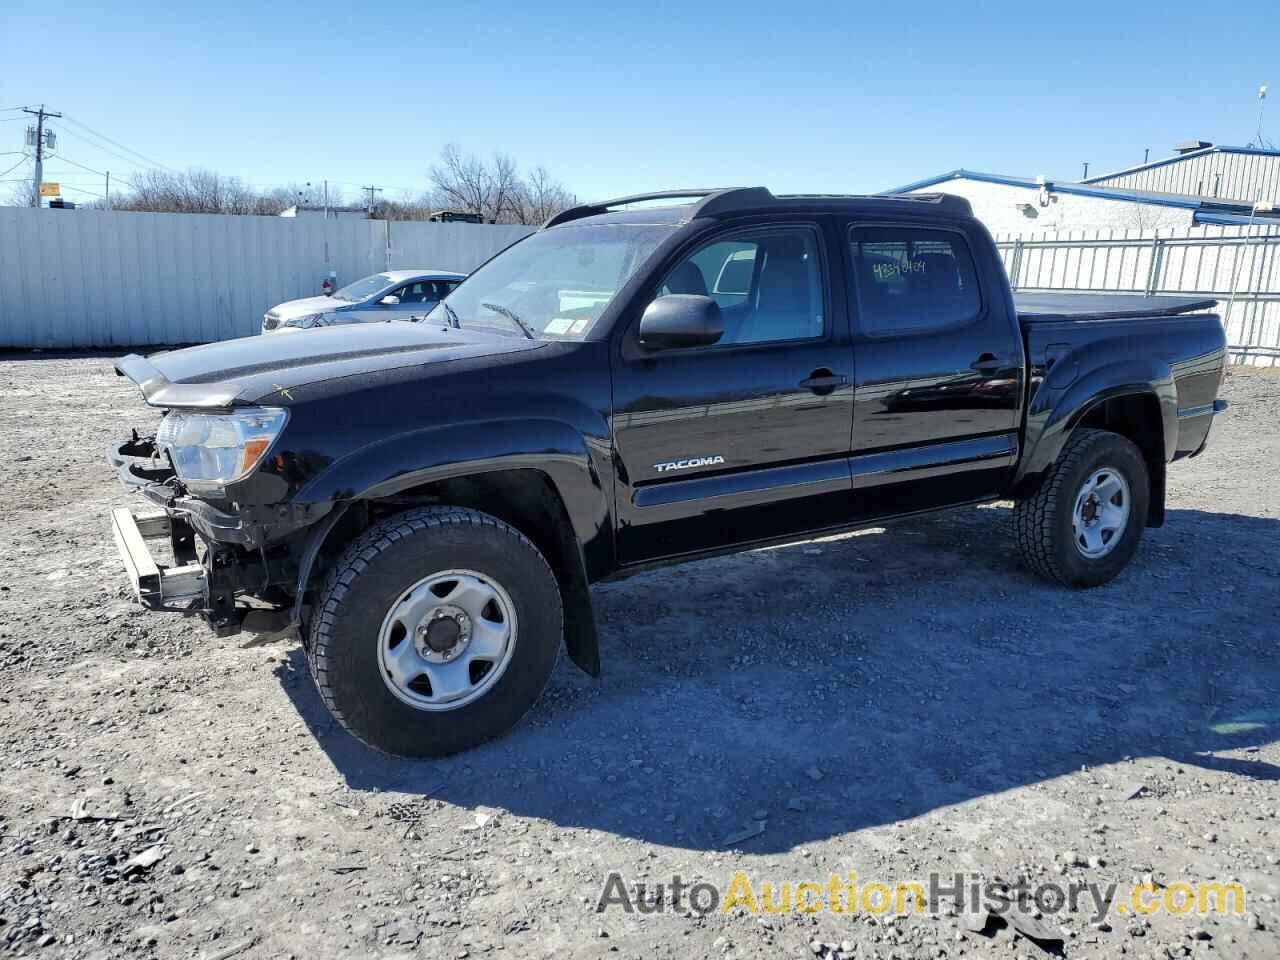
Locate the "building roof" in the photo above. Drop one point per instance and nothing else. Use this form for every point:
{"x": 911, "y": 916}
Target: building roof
{"x": 1204, "y": 210}
{"x": 1180, "y": 157}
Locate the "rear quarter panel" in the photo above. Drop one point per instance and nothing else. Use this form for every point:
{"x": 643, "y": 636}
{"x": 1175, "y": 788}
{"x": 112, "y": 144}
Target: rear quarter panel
{"x": 1074, "y": 365}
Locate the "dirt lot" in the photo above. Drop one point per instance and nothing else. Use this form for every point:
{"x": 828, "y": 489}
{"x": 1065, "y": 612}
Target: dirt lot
{"x": 889, "y": 703}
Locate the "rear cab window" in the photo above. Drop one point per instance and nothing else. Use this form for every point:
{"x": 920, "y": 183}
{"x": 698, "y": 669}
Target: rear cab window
{"x": 910, "y": 280}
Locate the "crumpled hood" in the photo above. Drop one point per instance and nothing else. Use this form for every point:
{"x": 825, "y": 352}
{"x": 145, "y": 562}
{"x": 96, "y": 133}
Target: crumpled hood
{"x": 241, "y": 371}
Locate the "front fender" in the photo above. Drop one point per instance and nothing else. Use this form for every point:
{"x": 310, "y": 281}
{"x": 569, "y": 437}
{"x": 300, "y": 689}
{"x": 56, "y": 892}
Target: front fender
{"x": 1064, "y": 399}
{"x": 575, "y": 465}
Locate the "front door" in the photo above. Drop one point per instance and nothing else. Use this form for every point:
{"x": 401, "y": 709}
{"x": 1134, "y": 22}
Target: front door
{"x": 746, "y": 439}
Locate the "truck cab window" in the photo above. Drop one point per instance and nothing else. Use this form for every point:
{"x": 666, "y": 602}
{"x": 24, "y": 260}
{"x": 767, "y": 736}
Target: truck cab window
{"x": 768, "y": 284}
{"x": 907, "y": 280}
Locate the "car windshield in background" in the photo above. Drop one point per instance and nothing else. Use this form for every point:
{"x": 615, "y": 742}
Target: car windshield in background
{"x": 363, "y": 289}
{"x": 556, "y": 283}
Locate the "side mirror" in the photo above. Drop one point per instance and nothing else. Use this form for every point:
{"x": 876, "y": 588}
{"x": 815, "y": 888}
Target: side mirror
{"x": 681, "y": 320}
{"x": 390, "y": 300}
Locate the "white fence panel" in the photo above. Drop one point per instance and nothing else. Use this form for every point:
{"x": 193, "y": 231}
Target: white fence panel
{"x": 101, "y": 278}
{"x": 447, "y": 246}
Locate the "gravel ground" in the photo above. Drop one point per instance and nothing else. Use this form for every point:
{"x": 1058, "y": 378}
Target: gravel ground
{"x": 888, "y": 703}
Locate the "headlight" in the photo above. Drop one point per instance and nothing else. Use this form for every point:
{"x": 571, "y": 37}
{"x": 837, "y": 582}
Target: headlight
{"x": 219, "y": 448}
{"x": 310, "y": 320}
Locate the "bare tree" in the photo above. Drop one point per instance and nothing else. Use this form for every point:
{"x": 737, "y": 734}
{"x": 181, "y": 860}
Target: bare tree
{"x": 506, "y": 186}
{"x": 196, "y": 191}
{"x": 495, "y": 191}
{"x": 301, "y": 194}
{"x": 406, "y": 208}
{"x": 542, "y": 197}
{"x": 463, "y": 181}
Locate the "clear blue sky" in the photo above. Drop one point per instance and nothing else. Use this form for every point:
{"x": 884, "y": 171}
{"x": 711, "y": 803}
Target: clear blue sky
{"x": 795, "y": 96}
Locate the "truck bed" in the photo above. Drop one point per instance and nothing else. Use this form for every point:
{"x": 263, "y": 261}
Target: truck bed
{"x": 1050, "y": 307}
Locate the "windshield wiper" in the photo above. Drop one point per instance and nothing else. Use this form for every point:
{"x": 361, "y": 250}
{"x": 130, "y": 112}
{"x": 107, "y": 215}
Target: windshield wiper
{"x": 453, "y": 316}
{"x": 510, "y": 315}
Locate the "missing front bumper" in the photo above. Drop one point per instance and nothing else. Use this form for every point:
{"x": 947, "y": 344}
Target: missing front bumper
{"x": 180, "y": 588}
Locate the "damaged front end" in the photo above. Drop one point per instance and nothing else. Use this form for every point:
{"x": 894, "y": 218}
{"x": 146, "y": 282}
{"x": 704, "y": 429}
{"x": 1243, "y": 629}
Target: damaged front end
{"x": 202, "y": 582}
{"x": 233, "y": 561}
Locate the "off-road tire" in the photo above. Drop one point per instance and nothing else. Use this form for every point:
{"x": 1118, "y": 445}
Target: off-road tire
{"x": 373, "y": 572}
{"x": 1043, "y": 522}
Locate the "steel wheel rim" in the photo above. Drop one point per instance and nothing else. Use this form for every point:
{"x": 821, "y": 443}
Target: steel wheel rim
{"x": 473, "y": 610}
{"x": 1101, "y": 513}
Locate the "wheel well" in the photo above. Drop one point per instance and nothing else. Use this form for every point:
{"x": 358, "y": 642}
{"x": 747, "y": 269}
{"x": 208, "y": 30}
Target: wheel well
{"x": 1138, "y": 418}
{"x": 527, "y": 500}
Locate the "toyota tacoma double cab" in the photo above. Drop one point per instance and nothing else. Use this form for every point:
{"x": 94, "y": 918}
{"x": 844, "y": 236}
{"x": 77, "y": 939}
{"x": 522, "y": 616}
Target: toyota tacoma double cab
{"x": 643, "y": 381}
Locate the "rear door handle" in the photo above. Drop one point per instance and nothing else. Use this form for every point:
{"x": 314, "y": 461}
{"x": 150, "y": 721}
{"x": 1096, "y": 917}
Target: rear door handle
{"x": 823, "y": 381}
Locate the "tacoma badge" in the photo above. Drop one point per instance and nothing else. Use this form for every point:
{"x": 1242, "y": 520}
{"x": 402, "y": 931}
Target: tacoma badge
{"x": 688, "y": 464}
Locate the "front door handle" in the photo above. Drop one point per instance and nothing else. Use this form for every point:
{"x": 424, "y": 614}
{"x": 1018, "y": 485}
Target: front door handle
{"x": 823, "y": 381}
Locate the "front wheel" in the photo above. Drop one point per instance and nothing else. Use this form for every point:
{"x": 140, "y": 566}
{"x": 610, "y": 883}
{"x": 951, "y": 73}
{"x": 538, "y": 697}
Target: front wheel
{"x": 1084, "y": 523}
{"x": 437, "y": 630}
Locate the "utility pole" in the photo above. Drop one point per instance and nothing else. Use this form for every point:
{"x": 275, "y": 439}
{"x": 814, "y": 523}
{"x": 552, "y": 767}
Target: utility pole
{"x": 369, "y": 204}
{"x": 39, "y": 114}
{"x": 106, "y": 196}
{"x": 1086, "y": 171}
{"x": 326, "y": 199}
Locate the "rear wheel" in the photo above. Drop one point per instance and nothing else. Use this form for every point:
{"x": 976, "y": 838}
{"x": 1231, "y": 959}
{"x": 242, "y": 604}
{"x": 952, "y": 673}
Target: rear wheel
{"x": 437, "y": 630}
{"x": 1085, "y": 522}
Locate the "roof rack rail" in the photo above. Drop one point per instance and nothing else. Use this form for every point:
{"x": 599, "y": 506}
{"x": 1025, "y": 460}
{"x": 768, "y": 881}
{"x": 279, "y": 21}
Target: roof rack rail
{"x": 948, "y": 201}
{"x": 714, "y": 200}
{"x": 735, "y": 199}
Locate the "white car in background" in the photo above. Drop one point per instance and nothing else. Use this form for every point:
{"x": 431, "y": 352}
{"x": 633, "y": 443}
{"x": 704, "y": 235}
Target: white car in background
{"x": 395, "y": 294}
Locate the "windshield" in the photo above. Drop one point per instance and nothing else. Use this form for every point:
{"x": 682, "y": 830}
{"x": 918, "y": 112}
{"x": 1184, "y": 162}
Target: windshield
{"x": 363, "y": 289}
{"x": 554, "y": 284}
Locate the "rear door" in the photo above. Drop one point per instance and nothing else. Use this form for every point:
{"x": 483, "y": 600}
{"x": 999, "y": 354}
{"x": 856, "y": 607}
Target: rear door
{"x": 938, "y": 391}
{"x": 746, "y": 439}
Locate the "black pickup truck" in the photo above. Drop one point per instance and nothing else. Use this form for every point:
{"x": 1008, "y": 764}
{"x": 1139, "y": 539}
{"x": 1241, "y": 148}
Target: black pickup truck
{"x": 643, "y": 381}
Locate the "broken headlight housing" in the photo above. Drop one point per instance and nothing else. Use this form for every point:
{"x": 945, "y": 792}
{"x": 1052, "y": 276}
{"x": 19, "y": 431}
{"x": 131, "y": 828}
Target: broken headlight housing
{"x": 210, "y": 450}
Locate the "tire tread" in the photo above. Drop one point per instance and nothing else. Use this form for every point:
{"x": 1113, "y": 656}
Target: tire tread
{"x": 357, "y": 557}
{"x": 1033, "y": 518}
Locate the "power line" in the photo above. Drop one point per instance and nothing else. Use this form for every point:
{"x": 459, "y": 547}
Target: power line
{"x": 15, "y": 166}
{"x": 108, "y": 151}
{"x": 116, "y": 143}
{"x": 101, "y": 173}
{"x": 81, "y": 190}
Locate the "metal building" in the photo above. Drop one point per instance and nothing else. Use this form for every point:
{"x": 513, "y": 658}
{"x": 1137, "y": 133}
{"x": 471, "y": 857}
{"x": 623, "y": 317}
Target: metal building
{"x": 1201, "y": 169}
{"x": 1019, "y": 204}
